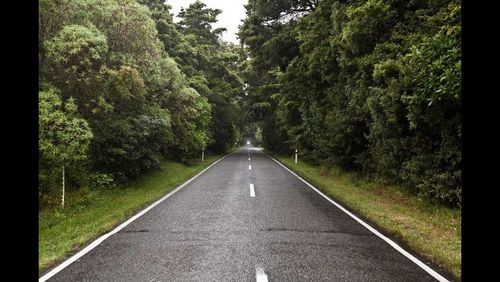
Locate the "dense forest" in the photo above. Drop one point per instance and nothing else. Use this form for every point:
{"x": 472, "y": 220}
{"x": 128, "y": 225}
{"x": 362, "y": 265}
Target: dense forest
{"x": 123, "y": 87}
{"x": 371, "y": 86}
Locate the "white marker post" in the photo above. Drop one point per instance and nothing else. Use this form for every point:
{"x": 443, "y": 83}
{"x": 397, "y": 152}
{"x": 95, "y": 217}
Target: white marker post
{"x": 202, "y": 154}
{"x": 62, "y": 198}
{"x": 295, "y": 155}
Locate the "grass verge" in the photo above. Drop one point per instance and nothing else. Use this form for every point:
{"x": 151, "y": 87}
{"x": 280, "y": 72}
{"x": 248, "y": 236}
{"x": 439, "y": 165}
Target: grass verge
{"x": 89, "y": 214}
{"x": 430, "y": 230}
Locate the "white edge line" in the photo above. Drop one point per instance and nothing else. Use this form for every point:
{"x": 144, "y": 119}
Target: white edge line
{"x": 99, "y": 240}
{"x": 373, "y": 230}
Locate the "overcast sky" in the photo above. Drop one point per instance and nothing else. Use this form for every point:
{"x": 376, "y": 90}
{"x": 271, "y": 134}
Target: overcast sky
{"x": 232, "y": 14}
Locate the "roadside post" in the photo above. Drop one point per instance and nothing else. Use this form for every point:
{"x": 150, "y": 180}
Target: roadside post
{"x": 296, "y": 155}
{"x": 62, "y": 198}
{"x": 202, "y": 154}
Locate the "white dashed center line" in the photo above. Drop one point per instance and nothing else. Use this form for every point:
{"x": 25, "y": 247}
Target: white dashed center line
{"x": 250, "y": 167}
{"x": 252, "y": 190}
{"x": 260, "y": 275}
{"x": 248, "y": 158}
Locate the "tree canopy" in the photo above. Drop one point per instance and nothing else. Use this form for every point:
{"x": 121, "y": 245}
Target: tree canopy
{"x": 129, "y": 88}
{"x": 369, "y": 85}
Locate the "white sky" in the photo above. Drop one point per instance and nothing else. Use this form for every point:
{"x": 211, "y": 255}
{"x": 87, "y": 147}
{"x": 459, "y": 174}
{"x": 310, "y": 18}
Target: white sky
{"x": 232, "y": 14}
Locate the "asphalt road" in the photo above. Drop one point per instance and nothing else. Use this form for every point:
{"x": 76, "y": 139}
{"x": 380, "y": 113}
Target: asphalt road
{"x": 215, "y": 229}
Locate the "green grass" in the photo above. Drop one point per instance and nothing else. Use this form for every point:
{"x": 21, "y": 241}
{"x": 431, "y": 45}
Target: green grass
{"x": 433, "y": 231}
{"x": 89, "y": 214}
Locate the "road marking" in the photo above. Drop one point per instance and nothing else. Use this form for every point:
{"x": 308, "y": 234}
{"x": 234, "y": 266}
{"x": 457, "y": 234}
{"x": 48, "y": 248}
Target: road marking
{"x": 373, "y": 230}
{"x": 250, "y": 167}
{"x": 252, "y": 190}
{"x": 260, "y": 275}
{"x": 99, "y": 240}
{"x": 248, "y": 158}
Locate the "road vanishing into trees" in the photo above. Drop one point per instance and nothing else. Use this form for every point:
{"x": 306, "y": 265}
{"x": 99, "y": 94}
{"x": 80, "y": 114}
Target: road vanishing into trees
{"x": 246, "y": 218}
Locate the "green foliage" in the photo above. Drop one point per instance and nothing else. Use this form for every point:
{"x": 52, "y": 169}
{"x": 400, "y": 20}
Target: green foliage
{"x": 211, "y": 70}
{"x": 434, "y": 114}
{"x": 133, "y": 140}
{"x": 73, "y": 59}
{"x": 134, "y": 132}
{"x": 99, "y": 181}
{"x": 371, "y": 86}
{"x": 198, "y": 20}
{"x": 189, "y": 123}
{"x": 146, "y": 87}
{"x": 64, "y": 138}
{"x": 365, "y": 26}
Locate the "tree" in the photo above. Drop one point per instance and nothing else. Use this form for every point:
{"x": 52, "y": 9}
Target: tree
{"x": 370, "y": 86}
{"x": 108, "y": 57}
{"x": 209, "y": 65}
{"x": 130, "y": 138}
{"x": 197, "y": 20}
{"x": 74, "y": 59}
{"x": 64, "y": 137}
